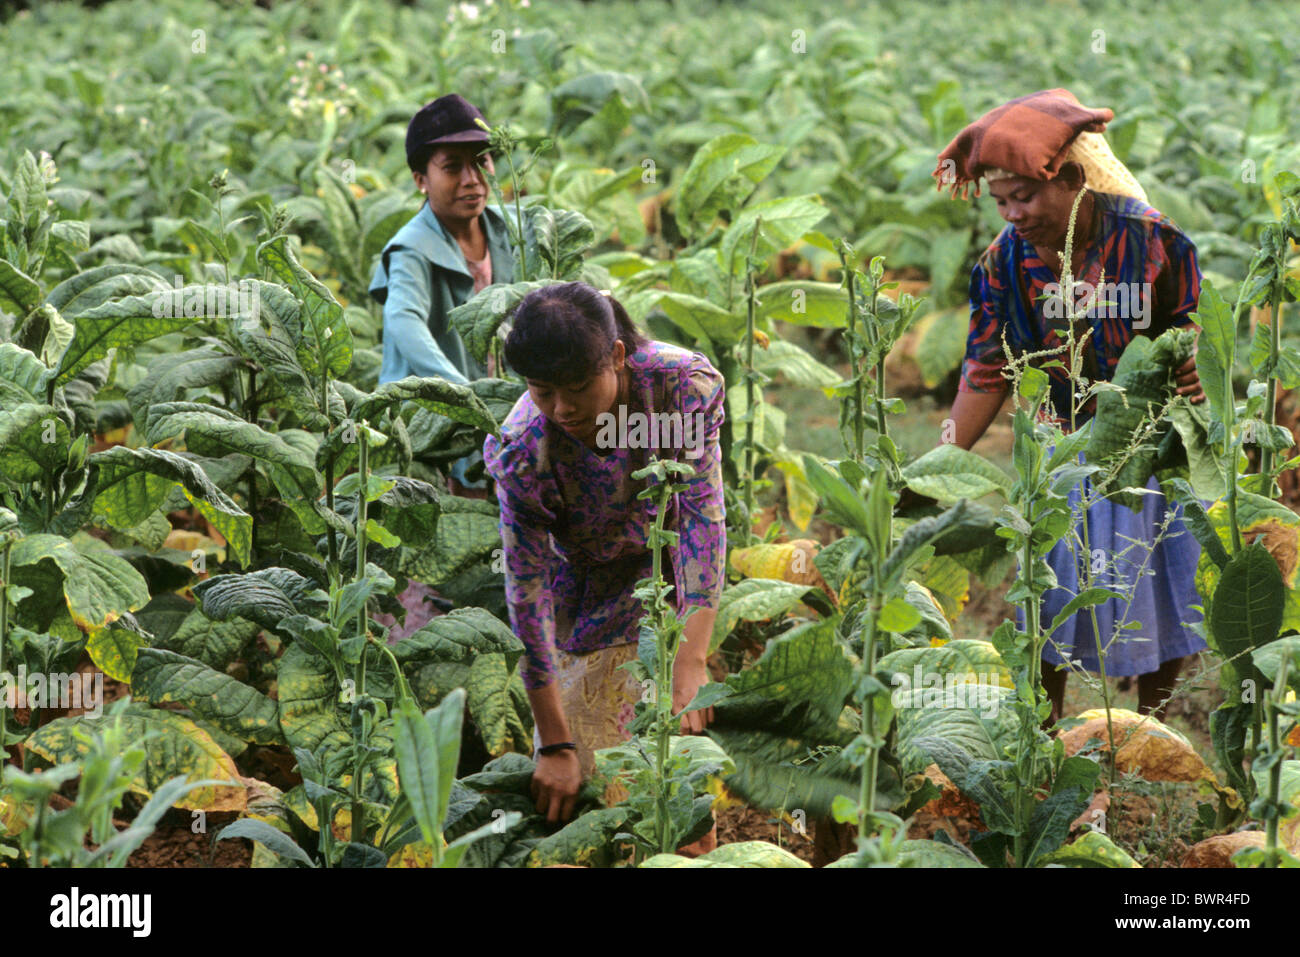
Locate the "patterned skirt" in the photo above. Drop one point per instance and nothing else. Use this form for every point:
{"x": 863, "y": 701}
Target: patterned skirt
{"x": 598, "y": 698}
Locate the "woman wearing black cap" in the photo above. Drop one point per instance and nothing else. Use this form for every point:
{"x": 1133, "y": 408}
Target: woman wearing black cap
{"x": 448, "y": 251}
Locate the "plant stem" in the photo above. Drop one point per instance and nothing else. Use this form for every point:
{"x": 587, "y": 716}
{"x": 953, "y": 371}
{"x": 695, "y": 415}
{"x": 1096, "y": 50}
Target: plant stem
{"x": 750, "y": 408}
{"x": 1275, "y": 771}
{"x": 850, "y": 281}
{"x": 1270, "y": 403}
{"x": 664, "y": 679}
{"x": 4, "y": 639}
{"x": 332, "y": 546}
{"x": 867, "y": 792}
{"x": 362, "y": 504}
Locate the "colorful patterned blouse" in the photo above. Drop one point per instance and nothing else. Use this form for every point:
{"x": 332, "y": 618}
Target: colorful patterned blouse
{"x": 575, "y": 532}
{"x": 1157, "y": 281}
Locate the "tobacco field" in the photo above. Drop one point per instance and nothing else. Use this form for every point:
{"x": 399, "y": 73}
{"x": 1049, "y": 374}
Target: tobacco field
{"x": 209, "y": 511}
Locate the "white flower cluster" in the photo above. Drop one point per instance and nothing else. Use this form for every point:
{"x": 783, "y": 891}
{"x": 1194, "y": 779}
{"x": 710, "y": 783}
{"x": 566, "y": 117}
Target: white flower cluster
{"x": 317, "y": 84}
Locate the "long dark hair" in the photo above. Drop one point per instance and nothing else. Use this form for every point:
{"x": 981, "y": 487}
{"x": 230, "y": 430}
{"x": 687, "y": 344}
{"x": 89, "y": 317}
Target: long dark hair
{"x": 564, "y": 333}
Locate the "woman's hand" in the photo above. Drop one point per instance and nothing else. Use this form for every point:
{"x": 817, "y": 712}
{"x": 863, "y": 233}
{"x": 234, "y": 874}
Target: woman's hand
{"x": 555, "y": 784}
{"x": 689, "y": 673}
{"x": 1189, "y": 383}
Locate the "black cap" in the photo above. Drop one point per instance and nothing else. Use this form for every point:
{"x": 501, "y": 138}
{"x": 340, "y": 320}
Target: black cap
{"x": 448, "y": 119}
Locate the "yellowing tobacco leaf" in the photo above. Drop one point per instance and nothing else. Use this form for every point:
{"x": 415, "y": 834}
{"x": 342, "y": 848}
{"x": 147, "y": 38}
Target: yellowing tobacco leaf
{"x": 1217, "y": 851}
{"x": 1147, "y": 747}
{"x": 784, "y": 561}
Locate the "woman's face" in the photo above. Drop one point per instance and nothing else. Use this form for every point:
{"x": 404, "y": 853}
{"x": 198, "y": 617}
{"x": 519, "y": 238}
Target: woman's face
{"x": 575, "y": 406}
{"x": 454, "y": 181}
{"x": 1040, "y": 211}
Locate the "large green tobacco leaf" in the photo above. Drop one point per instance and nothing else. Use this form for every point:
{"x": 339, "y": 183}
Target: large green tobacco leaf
{"x": 823, "y": 305}
{"x": 459, "y": 636}
{"x": 468, "y": 531}
{"x": 163, "y": 676}
{"x": 722, "y": 174}
{"x": 175, "y": 746}
{"x": 738, "y": 854}
{"x": 215, "y": 643}
{"x": 319, "y": 334}
{"x": 1248, "y": 603}
{"x": 492, "y": 707}
{"x": 948, "y": 473}
{"x": 478, "y": 319}
{"x": 963, "y": 657}
{"x": 697, "y": 317}
{"x": 799, "y": 368}
{"x": 19, "y": 292}
{"x": 754, "y": 599}
{"x": 932, "y": 854}
{"x": 34, "y": 443}
{"x": 1216, "y": 350}
{"x": 308, "y": 689}
{"x": 134, "y": 483}
{"x": 1229, "y": 724}
{"x": 1050, "y": 823}
{"x": 278, "y": 360}
{"x": 554, "y": 242}
{"x": 267, "y": 597}
{"x": 213, "y": 432}
{"x": 98, "y": 586}
{"x": 128, "y": 321}
{"x": 1203, "y": 471}
{"x": 456, "y": 402}
{"x": 167, "y": 381}
{"x": 988, "y": 782}
{"x": 114, "y": 649}
{"x": 94, "y": 287}
{"x": 22, "y": 377}
{"x": 929, "y": 714}
{"x": 1092, "y": 849}
{"x": 806, "y": 672}
{"x": 606, "y": 93}
{"x": 419, "y": 767}
{"x": 787, "y": 769}
{"x": 780, "y": 224}
{"x": 439, "y": 438}
{"x": 587, "y": 841}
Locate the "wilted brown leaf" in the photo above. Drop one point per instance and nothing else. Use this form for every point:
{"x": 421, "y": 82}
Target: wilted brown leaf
{"x": 1147, "y": 747}
{"x": 1217, "y": 851}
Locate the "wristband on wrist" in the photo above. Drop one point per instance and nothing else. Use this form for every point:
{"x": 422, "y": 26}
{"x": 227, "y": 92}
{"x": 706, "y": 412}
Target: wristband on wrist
{"x": 548, "y": 749}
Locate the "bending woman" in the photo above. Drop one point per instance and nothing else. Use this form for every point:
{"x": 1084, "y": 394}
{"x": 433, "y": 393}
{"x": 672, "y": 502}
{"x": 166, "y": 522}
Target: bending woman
{"x": 575, "y": 532}
{"x": 1036, "y": 154}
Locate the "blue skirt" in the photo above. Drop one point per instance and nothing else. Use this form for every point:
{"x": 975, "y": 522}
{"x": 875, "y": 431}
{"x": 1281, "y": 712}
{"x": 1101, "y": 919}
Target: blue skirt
{"x": 1160, "y": 582}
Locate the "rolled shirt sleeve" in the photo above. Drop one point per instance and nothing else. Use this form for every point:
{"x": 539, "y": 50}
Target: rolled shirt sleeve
{"x": 700, "y": 553}
{"x": 525, "y": 535}
{"x": 981, "y": 369}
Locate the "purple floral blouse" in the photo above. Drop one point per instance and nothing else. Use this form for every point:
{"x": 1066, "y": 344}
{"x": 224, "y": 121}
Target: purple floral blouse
{"x": 573, "y": 529}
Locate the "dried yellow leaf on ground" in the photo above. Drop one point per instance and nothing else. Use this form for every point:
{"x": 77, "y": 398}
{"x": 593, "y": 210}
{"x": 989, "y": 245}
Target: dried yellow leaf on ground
{"x": 416, "y": 854}
{"x": 784, "y": 561}
{"x": 1217, "y": 851}
{"x": 1147, "y": 747}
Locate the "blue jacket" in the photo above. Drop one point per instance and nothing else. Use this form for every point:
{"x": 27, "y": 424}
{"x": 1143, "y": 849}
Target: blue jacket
{"x": 420, "y": 278}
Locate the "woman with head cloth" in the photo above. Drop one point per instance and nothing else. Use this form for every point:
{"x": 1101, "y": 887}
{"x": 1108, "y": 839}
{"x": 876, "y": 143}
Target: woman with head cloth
{"x": 574, "y": 529}
{"x": 1036, "y": 153}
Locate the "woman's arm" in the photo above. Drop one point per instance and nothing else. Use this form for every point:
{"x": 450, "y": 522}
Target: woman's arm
{"x": 406, "y": 317}
{"x": 525, "y": 537}
{"x": 973, "y": 413}
{"x": 558, "y": 776}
